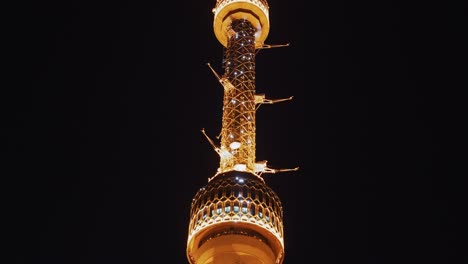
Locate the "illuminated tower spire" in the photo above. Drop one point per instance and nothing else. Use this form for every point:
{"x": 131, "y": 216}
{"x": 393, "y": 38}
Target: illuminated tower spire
{"x": 237, "y": 218}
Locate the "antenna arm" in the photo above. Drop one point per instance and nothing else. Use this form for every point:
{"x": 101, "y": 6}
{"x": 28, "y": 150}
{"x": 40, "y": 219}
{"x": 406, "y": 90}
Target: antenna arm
{"x": 261, "y": 167}
{"x": 210, "y": 141}
{"x": 270, "y": 170}
{"x": 260, "y": 99}
{"x": 214, "y": 72}
{"x": 272, "y": 101}
{"x": 266, "y": 46}
{"x": 223, "y": 80}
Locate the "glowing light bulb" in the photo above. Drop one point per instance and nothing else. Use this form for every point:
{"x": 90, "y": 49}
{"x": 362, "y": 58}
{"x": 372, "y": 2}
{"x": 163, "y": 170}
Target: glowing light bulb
{"x": 235, "y": 145}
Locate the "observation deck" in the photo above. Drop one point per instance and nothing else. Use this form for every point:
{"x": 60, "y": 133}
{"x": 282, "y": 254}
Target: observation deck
{"x": 255, "y": 11}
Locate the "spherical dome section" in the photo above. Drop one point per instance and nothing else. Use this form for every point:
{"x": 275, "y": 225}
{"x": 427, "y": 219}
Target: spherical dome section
{"x": 236, "y": 217}
{"x": 255, "y": 11}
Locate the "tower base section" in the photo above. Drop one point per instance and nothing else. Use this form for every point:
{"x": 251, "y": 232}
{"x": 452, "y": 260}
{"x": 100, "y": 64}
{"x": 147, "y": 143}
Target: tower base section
{"x": 235, "y": 249}
{"x": 235, "y": 243}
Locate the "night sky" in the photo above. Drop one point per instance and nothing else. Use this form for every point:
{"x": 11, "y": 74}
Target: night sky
{"x": 103, "y": 129}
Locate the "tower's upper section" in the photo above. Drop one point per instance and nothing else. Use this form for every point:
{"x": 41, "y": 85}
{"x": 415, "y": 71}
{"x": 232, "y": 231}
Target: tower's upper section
{"x": 255, "y": 11}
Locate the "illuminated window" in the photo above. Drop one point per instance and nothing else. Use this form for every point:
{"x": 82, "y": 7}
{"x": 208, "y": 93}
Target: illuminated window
{"x": 244, "y": 207}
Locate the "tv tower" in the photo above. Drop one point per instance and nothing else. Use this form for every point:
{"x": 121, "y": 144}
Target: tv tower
{"x": 236, "y": 218}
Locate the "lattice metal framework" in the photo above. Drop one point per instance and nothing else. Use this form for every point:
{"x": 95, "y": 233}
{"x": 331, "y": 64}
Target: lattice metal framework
{"x": 238, "y": 124}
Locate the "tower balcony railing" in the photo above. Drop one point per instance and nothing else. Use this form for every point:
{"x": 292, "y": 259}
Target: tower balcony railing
{"x": 263, "y": 4}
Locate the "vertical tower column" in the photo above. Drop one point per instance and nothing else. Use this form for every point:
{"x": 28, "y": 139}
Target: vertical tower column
{"x": 238, "y": 124}
{"x": 241, "y": 26}
{"x": 236, "y": 218}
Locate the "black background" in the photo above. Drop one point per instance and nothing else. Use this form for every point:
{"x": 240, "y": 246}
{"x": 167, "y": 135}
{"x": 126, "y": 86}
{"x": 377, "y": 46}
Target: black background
{"x": 107, "y": 99}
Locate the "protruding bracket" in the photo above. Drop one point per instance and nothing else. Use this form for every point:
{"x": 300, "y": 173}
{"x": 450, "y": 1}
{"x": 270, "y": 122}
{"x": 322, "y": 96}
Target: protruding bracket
{"x": 266, "y": 46}
{"x": 260, "y": 99}
{"x": 270, "y": 170}
{"x": 261, "y": 167}
{"x": 217, "y": 149}
{"x": 223, "y": 80}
